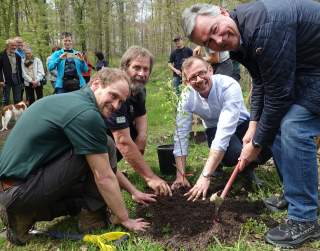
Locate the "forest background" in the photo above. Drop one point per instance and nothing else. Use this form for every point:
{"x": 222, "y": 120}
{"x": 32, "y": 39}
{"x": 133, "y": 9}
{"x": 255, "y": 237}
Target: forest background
{"x": 110, "y": 26}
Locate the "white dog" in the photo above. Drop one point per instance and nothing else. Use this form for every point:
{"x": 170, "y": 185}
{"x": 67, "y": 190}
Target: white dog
{"x": 12, "y": 111}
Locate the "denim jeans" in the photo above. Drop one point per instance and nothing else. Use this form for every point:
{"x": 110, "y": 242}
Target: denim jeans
{"x": 176, "y": 84}
{"x": 295, "y": 153}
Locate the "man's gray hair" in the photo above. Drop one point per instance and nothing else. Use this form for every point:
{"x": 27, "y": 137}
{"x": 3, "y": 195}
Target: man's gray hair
{"x": 133, "y": 53}
{"x": 189, "y": 15}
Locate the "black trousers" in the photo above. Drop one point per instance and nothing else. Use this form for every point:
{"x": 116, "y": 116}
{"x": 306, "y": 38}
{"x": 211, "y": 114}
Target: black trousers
{"x": 30, "y": 93}
{"x": 235, "y": 146}
{"x": 61, "y": 187}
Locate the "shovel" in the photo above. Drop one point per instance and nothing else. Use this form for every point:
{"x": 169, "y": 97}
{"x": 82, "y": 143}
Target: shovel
{"x": 218, "y": 200}
{"x": 115, "y": 239}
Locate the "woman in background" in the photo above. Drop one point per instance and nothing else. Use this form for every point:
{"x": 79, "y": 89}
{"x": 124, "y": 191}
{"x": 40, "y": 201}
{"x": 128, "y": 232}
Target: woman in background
{"x": 33, "y": 73}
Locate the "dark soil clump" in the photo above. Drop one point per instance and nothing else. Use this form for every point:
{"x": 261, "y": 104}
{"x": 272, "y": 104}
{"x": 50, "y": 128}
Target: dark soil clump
{"x": 178, "y": 223}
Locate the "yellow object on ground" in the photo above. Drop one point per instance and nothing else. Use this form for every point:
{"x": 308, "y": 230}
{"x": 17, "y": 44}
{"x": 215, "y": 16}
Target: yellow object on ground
{"x": 102, "y": 239}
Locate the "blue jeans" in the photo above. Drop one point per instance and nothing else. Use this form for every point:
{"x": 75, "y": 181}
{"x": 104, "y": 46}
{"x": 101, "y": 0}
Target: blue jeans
{"x": 176, "y": 84}
{"x": 295, "y": 153}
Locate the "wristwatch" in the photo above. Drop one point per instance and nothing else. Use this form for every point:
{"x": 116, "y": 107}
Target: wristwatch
{"x": 207, "y": 175}
{"x": 255, "y": 144}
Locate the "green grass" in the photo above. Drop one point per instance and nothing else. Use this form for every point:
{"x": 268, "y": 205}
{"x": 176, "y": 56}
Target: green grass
{"x": 161, "y": 121}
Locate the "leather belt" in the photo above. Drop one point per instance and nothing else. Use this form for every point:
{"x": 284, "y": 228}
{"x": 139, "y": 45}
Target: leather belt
{"x": 8, "y": 183}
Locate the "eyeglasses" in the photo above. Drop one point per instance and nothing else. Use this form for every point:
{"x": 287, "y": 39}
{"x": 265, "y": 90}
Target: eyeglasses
{"x": 200, "y": 74}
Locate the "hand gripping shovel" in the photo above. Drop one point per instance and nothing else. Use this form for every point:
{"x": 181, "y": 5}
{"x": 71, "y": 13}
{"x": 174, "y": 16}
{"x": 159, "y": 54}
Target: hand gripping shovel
{"x": 100, "y": 240}
{"x": 218, "y": 200}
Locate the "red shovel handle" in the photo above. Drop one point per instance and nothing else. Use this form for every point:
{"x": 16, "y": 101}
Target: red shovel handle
{"x": 231, "y": 180}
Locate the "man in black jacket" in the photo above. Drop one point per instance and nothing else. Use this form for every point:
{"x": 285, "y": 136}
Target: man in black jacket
{"x": 10, "y": 73}
{"x": 278, "y": 42}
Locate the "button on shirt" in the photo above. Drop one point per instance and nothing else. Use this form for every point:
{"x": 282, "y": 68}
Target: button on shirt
{"x": 224, "y": 109}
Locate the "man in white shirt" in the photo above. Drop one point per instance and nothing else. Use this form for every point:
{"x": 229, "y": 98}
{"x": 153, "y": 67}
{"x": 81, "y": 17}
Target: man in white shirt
{"x": 218, "y": 100}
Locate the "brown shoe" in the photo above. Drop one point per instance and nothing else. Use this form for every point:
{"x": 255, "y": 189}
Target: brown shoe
{"x": 92, "y": 220}
{"x": 17, "y": 226}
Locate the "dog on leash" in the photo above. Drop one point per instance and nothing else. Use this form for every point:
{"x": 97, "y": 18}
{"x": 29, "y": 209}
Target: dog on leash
{"x": 12, "y": 112}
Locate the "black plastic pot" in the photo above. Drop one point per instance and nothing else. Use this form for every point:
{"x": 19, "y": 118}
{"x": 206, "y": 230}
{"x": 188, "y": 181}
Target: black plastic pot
{"x": 167, "y": 162}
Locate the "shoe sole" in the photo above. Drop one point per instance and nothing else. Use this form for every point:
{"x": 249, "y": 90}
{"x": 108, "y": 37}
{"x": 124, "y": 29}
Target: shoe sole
{"x": 293, "y": 244}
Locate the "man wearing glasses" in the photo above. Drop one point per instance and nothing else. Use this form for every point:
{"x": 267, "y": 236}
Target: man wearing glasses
{"x": 218, "y": 100}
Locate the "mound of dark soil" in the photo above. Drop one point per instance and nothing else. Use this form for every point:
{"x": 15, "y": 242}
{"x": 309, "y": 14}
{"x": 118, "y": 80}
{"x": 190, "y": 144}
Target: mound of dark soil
{"x": 177, "y": 223}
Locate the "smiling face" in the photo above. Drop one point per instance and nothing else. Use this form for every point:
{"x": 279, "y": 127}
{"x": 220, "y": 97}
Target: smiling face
{"x": 28, "y": 54}
{"x": 67, "y": 43}
{"x": 219, "y": 33}
{"x": 198, "y": 76}
{"x": 12, "y": 46}
{"x": 139, "y": 72}
{"x": 110, "y": 98}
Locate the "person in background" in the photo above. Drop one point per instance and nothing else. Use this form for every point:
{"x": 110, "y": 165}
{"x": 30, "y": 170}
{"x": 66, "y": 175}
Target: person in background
{"x": 69, "y": 64}
{"x": 33, "y": 73}
{"x": 101, "y": 61}
{"x": 11, "y": 73}
{"x": 176, "y": 59}
{"x": 52, "y": 75}
{"x": 87, "y": 75}
{"x": 20, "y": 47}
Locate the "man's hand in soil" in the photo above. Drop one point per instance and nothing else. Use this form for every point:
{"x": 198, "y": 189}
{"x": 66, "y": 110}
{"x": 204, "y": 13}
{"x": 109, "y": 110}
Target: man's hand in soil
{"x": 181, "y": 181}
{"x": 199, "y": 189}
{"x": 143, "y": 198}
{"x": 136, "y": 224}
{"x": 159, "y": 186}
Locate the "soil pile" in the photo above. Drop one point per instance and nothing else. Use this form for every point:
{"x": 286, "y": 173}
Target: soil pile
{"x": 178, "y": 223}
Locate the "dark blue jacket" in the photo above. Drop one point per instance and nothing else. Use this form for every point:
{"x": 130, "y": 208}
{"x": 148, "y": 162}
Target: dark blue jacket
{"x": 280, "y": 46}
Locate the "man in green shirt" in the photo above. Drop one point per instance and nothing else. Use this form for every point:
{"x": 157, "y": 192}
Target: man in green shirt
{"x": 46, "y": 160}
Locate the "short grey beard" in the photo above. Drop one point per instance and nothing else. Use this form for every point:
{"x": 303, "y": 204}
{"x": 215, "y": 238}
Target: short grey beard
{"x": 136, "y": 88}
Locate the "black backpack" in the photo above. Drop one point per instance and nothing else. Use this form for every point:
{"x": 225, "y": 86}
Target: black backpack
{"x": 70, "y": 71}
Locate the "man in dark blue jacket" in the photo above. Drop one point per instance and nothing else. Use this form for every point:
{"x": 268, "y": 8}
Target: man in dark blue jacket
{"x": 278, "y": 42}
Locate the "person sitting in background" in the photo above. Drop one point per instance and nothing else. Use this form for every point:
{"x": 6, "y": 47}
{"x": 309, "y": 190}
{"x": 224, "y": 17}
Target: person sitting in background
{"x": 70, "y": 65}
{"x": 218, "y": 100}
{"x": 52, "y": 75}
{"x": 87, "y": 75}
{"x": 101, "y": 61}
{"x": 33, "y": 73}
{"x": 11, "y": 73}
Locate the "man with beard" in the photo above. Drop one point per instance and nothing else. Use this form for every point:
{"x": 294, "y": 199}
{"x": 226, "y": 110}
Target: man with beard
{"x": 278, "y": 42}
{"x": 129, "y": 124}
